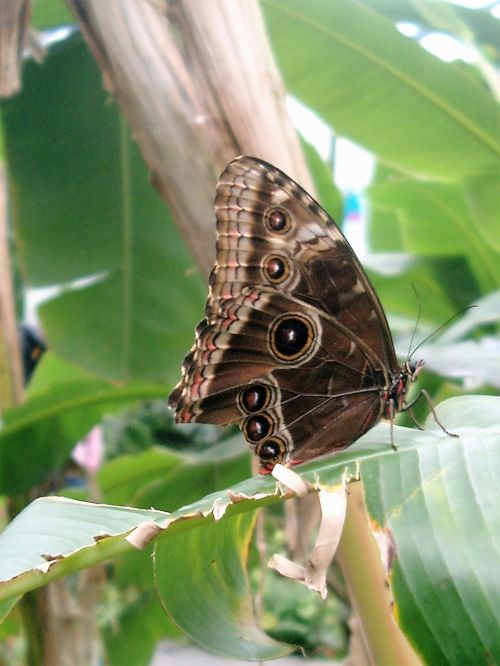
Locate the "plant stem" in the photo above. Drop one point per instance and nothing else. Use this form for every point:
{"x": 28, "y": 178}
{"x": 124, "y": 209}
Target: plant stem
{"x": 360, "y": 561}
{"x": 29, "y": 607}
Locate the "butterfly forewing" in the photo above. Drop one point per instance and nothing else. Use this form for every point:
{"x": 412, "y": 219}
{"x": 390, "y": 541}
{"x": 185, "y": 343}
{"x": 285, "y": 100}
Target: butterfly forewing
{"x": 323, "y": 267}
{"x": 295, "y": 346}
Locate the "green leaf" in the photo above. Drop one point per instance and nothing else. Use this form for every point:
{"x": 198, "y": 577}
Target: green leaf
{"x": 450, "y": 355}
{"x": 440, "y": 286}
{"x": 437, "y": 497}
{"x": 484, "y": 203}
{"x": 485, "y": 311}
{"x": 89, "y": 222}
{"x": 328, "y": 193}
{"x": 38, "y": 436}
{"x": 221, "y": 619}
{"x": 468, "y": 360}
{"x": 50, "y": 14}
{"x": 52, "y": 370}
{"x": 158, "y": 478}
{"x": 121, "y": 479}
{"x": 148, "y": 479}
{"x": 434, "y": 220}
{"x": 186, "y": 483}
{"x": 440, "y": 503}
{"x": 433, "y": 216}
{"x": 471, "y": 25}
{"x": 382, "y": 90}
{"x": 385, "y": 231}
{"x": 6, "y": 606}
{"x": 133, "y": 636}
{"x": 53, "y": 527}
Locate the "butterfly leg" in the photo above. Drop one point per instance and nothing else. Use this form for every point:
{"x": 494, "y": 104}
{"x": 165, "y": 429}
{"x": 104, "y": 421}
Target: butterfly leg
{"x": 392, "y": 414}
{"x": 414, "y": 418}
{"x": 407, "y": 408}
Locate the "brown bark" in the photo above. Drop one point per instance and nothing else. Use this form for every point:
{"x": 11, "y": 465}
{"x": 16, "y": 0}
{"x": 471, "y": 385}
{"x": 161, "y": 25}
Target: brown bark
{"x": 198, "y": 84}
{"x": 14, "y": 18}
{"x": 11, "y": 377}
{"x": 71, "y": 636}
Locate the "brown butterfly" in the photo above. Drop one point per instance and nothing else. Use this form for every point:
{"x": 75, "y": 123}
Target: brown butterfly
{"x": 295, "y": 345}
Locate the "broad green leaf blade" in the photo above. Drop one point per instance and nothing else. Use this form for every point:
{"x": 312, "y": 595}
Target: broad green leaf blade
{"x": 51, "y": 528}
{"x": 79, "y": 534}
{"x": 469, "y": 360}
{"x": 438, "y": 284}
{"x": 382, "y": 90}
{"x": 437, "y": 496}
{"x": 220, "y": 616}
{"x": 156, "y": 477}
{"x": 440, "y": 503}
{"x": 6, "y": 607}
{"x": 434, "y": 220}
{"x": 90, "y": 223}
{"x": 482, "y": 193}
{"x": 52, "y": 370}
{"x": 38, "y": 436}
{"x": 147, "y": 479}
{"x": 187, "y": 482}
{"x": 472, "y": 24}
{"x": 50, "y": 14}
{"x": 123, "y": 478}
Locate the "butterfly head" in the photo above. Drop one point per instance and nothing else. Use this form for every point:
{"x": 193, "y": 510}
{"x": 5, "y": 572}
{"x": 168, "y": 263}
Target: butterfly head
{"x": 395, "y": 395}
{"x": 412, "y": 369}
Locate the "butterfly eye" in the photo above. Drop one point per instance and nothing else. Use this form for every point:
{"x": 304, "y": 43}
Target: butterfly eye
{"x": 255, "y": 398}
{"x": 272, "y": 450}
{"x": 276, "y": 269}
{"x": 257, "y": 427}
{"x": 291, "y": 337}
{"x": 278, "y": 220}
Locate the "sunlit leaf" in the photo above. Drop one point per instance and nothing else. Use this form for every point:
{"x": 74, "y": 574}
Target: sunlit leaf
{"x": 377, "y": 87}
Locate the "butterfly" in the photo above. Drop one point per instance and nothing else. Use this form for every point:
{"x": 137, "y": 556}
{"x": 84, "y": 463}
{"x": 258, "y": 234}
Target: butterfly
{"x": 295, "y": 346}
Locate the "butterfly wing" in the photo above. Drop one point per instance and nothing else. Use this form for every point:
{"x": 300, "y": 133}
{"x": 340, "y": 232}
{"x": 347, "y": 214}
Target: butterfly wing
{"x": 309, "y": 258}
{"x": 295, "y": 345}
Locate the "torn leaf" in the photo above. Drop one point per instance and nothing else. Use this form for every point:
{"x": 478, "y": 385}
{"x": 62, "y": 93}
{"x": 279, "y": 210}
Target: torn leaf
{"x": 291, "y": 480}
{"x": 313, "y": 575}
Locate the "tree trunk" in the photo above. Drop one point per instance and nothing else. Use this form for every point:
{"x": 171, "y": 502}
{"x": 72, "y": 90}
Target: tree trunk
{"x": 198, "y": 85}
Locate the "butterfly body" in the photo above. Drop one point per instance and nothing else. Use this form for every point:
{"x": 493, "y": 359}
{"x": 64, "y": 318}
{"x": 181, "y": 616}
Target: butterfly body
{"x": 295, "y": 346}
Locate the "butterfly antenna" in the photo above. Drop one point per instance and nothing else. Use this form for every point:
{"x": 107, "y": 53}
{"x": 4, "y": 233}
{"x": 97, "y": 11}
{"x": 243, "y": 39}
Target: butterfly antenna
{"x": 419, "y": 301}
{"x": 469, "y": 307}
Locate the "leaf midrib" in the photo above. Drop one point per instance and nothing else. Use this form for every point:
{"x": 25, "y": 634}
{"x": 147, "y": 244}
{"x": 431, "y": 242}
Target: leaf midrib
{"x": 452, "y": 111}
